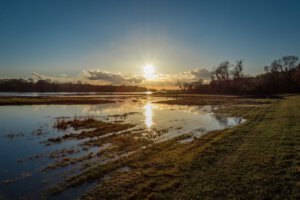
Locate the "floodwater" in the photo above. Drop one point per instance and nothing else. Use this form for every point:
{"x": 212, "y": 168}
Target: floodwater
{"x": 24, "y": 130}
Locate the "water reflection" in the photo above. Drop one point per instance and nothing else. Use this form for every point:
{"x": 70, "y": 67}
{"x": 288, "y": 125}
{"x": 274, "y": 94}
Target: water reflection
{"x": 153, "y": 123}
{"x": 226, "y": 121}
{"x": 148, "y": 115}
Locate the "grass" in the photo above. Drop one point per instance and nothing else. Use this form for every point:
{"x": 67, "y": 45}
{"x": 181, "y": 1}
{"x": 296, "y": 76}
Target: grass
{"x": 99, "y": 128}
{"x": 213, "y": 100}
{"x": 256, "y": 160}
{"x": 89, "y": 129}
{"x": 51, "y": 100}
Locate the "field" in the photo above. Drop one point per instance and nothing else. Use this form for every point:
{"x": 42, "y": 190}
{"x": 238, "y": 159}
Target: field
{"x": 256, "y": 160}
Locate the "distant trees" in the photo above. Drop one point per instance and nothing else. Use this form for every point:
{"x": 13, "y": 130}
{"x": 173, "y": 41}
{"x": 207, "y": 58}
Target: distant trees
{"x": 226, "y": 76}
{"x": 282, "y": 75}
{"x": 296, "y": 76}
{"x": 22, "y": 85}
{"x": 289, "y": 66}
{"x": 237, "y": 70}
{"x": 189, "y": 86}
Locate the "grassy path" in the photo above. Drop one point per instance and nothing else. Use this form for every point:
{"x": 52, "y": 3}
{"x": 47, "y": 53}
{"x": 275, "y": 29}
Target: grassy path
{"x": 259, "y": 160}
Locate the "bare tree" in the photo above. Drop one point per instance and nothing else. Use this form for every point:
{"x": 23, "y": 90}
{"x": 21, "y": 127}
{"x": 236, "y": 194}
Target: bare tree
{"x": 215, "y": 74}
{"x": 282, "y": 75}
{"x": 223, "y": 70}
{"x": 180, "y": 85}
{"x": 272, "y": 75}
{"x": 267, "y": 69}
{"x": 236, "y": 73}
{"x": 276, "y": 66}
{"x": 289, "y": 64}
{"x": 237, "y": 70}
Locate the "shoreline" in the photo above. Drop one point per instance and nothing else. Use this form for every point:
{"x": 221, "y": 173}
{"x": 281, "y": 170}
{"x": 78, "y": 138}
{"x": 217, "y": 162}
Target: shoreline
{"x": 179, "y": 99}
{"x": 46, "y": 100}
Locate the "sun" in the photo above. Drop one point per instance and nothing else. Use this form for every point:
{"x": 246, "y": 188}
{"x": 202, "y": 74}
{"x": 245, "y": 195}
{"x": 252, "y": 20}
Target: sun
{"x": 149, "y": 72}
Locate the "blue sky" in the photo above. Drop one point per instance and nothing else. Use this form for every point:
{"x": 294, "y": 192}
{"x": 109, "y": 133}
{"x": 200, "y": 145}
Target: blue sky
{"x": 54, "y": 37}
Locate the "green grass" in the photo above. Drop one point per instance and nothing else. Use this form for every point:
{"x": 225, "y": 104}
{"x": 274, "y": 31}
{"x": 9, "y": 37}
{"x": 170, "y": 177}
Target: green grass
{"x": 258, "y": 159}
{"x": 212, "y": 100}
{"x": 100, "y": 127}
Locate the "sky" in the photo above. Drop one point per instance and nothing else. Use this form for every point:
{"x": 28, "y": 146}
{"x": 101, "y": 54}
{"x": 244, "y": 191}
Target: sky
{"x": 111, "y": 41}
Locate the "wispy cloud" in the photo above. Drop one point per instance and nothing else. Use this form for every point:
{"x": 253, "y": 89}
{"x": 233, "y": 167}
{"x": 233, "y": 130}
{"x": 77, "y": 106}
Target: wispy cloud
{"x": 199, "y": 73}
{"x": 63, "y": 75}
{"x": 60, "y": 77}
{"x": 38, "y": 76}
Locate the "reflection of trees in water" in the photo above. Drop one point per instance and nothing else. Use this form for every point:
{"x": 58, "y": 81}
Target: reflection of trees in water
{"x": 193, "y": 109}
{"x": 226, "y": 121}
{"x": 221, "y": 118}
{"x": 237, "y": 120}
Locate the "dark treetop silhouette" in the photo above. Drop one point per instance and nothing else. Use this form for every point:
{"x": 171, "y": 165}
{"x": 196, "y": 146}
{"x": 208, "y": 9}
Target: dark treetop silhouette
{"x": 281, "y": 76}
{"x": 22, "y": 85}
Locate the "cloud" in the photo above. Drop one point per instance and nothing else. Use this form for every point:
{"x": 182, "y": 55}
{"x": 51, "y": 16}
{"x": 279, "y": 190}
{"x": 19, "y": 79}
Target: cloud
{"x": 169, "y": 81}
{"x": 38, "y": 76}
{"x": 190, "y": 76}
{"x": 63, "y": 75}
{"x": 59, "y": 78}
{"x": 200, "y": 73}
{"x": 161, "y": 80}
{"x": 112, "y": 78}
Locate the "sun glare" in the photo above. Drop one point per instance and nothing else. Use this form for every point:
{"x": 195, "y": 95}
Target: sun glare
{"x": 149, "y": 115}
{"x": 149, "y": 72}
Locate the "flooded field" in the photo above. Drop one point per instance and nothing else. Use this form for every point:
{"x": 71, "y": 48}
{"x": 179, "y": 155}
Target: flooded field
{"x": 42, "y": 145}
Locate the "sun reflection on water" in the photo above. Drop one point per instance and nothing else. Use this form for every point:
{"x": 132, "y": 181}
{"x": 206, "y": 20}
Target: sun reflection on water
{"x": 148, "y": 114}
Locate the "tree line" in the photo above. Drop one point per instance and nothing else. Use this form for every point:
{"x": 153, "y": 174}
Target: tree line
{"x": 23, "y": 85}
{"x": 281, "y": 76}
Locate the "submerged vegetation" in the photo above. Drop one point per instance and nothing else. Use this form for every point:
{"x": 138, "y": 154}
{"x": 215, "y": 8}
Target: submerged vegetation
{"x": 99, "y": 128}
